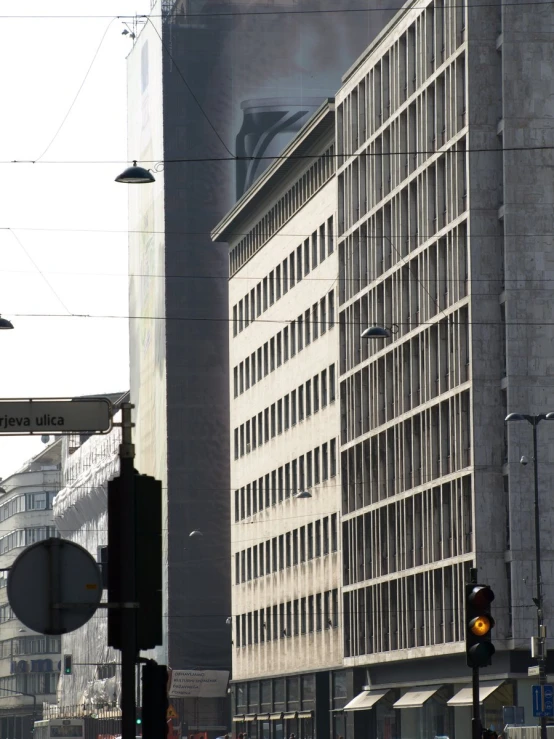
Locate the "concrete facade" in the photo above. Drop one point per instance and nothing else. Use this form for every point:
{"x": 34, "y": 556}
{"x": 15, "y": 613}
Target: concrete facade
{"x": 443, "y": 230}
{"x": 29, "y": 662}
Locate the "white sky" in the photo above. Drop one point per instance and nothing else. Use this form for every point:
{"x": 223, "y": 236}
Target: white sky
{"x": 43, "y": 62}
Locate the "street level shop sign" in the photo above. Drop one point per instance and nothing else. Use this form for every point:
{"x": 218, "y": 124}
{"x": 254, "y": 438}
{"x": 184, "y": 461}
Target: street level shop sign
{"x": 53, "y": 416}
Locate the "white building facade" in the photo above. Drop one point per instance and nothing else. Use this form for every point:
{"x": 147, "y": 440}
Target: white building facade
{"x": 29, "y": 662}
{"x": 287, "y": 626}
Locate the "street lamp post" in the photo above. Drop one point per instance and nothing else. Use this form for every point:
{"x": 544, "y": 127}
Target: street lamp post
{"x": 534, "y": 421}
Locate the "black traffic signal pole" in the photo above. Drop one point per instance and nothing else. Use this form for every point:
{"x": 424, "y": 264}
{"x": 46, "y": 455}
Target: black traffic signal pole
{"x": 128, "y": 581}
{"x": 476, "y": 729}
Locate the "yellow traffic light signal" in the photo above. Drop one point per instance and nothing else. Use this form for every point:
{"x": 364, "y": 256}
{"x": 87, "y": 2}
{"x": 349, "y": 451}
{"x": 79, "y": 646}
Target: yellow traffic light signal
{"x": 479, "y": 623}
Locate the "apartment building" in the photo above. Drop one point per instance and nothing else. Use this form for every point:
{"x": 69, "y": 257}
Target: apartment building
{"x": 285, "y": 477}
{"x": 440, "y": 244}
{"x": 29, "y": 662}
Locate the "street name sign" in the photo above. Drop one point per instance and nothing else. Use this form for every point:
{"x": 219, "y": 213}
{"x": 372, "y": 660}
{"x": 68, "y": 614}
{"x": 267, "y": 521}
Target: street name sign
{"x": 543, "y": 700}
{"x": 51, "y": 416}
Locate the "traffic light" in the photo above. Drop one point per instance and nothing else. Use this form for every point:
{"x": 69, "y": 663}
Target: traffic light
{"x": 479, "y": 624}
{"x": 154, "y": 700}
{"x": 67, "y": 664}
{"x": 147, "y": 559}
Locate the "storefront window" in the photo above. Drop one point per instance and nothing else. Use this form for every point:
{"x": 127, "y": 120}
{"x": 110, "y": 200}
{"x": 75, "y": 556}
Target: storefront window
{"x": 253, "y": 697}
{"x": 293, "y": 693}
{"x": 387, "y": 718}
{"x": 241, "y": 698}
{"x": 339, "y": 685}
{"x": 308, "y": 691}
{"x": 279, "y": 694}
{"x": 266, "y": 695}
{"x": 339, "y": 726}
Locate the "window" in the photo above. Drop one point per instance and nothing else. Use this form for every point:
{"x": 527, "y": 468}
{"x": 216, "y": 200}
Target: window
{"x": 316, "y": 394}
{"x": 308, "y": 327}
{"x": 314, "y": 250}
{"x": 316, "y": 466}
{"x": 235, "y": 321}
{"x": 279, "y": 350}
{"x": 293, "y": 407}
{"x": 280, "y": 485}
{"x": 260, "y": 428}
{"x": 236, "y": 444}
{"x": 260, "y": 367}
{"x": 235, "y": 381}
{"x": 315, "y": 321}
{"x": 241, "y": 378}
{"x": 301, "y": 476}
{"x": 288, "y": 551}
{"x": 272, "y": 354}
{"x": 247, "y": 372}
{"x": 253, "y": 424}
{"x": 273, "y": 420}
{"x": 322, "y": 253}
{"x": 323, "y": 315}
{"x": 303, "y": 615}
{"x": 293, "y": 338}
{"x": 281, "y": 552}
{"x": 237, "y": 568}
{"x": 266, "y": 425}
{"x": 309, "y": 480}
{"x": 258, "y": 299}
{"x": 325, "y": 534}
{"x": 330, "y": 236}
{"x": 299, "y": 263}
{"x": 271, "y": 288}
{"x": 266, "y": 359}
{"x": 318, "y": 612}
{"x": 273, "y": 487}
{"x": 300, "y": 327}
{"x": 241, "y": 326}
{"x": 274, "y": 554}
{"x": 237, "y": 505}
{"x": 331, "y": 299}
{"x": 308, "y": 398}
{"x": 306, "y": 256}
{"x": 253, "y": 365}
{"x": 291, "y": 270}
{"x": 287, "y": 413}
{"x": 265, "y": 295}
{"x": 302, "y": 553}
{"x": 295, "y": 547}
{"x": 267, "y": 557}
{"x": 324, "y": 462}
{"x": 279, "y": 416}
{"x": 294, "y": 476}
{"x": 332, "y": 383}
{"x": 324, "y": 388}
{"x": 301, "y": 403}
{"x": 278, "y": 282}
{"x": 243, "y": 566}
{"x": 317, "y": 537}
{"x": 287, "y": 480}
{"x": 285, "y": 277}
{"x": 310, "y": 528}
{"x": 333, "y": 455}
{"x": 286, "y": 344}
{"x": 334, "y": 533}
{"x": 311, "y": 613}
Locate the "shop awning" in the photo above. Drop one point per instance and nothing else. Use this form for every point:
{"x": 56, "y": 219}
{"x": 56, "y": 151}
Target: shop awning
{"x": 305, "y": 714}
{"x": 416, "y": 697}
{"x": 365, "y": 700}
{"x": 276, "y": 716}
{"x": 250, "y": 717}
{"x": 262, "y": 716}
{"x": 290, "y": 715}
{"x": 238, "y": 718}
{"x": 464, "y": 697}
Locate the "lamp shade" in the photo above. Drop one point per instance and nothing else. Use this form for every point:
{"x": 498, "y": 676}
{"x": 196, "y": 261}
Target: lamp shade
{"x": 303, "y": 494}
{"x": 516, "y": 417}
{"x": 5, "y": 324}
{"x": 135, "y": 176}
{"x": 376, "y": 332}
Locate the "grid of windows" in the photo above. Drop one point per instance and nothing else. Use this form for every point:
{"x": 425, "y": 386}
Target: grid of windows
{"x": 282, "y": 483}
{"x": 405, "y": 401}
{"x": 26, "y": 502}
{"x": 292, "y": 618}
{"x": 284, "y": 277}
{"x": 300, "y": 545}
{"x": 303, "y": 189}
{"x": 32, "y": 683}
{"x": 25, "y": 537}
{"x": 289, "y": 342}
{"x": 30, "y": 645}
{"x": 309, "y": 398}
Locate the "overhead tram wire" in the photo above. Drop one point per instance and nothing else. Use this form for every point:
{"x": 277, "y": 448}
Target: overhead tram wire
{"x": 292, "y": 157}
{"x": 226, "y": 14}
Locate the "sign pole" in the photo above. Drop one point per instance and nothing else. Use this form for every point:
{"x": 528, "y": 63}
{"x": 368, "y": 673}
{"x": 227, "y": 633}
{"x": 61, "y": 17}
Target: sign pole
{"x": 128, "y": 579}
{"x": 476, "y": 730}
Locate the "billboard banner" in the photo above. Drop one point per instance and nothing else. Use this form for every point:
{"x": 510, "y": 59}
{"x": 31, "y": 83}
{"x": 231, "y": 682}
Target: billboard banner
{"x": 198, "y": 683}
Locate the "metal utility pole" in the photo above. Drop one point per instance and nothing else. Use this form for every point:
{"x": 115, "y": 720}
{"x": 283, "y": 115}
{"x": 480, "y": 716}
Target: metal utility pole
{"x": 541, "y": 657}
{"x": 476, "y": 729}
{"x": 128, "y": 584}
{"x": 539, "y": 600}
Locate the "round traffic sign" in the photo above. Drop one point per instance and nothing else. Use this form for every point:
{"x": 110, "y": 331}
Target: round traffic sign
{"x": 54, "y": 586}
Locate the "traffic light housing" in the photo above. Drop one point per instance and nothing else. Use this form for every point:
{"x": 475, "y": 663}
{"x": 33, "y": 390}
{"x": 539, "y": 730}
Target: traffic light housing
{"x": 154, "y": 700}
{"x": 147, "y": 559}
{"x": 67, "y": 664}
{"x": 478, "y": 625}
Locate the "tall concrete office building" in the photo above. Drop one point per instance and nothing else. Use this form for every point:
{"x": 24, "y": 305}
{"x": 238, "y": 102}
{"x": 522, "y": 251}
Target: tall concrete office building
{"x": 207, "y": 81}
{"x": 287, "y": 627}
{"x": 443, "y": 226}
